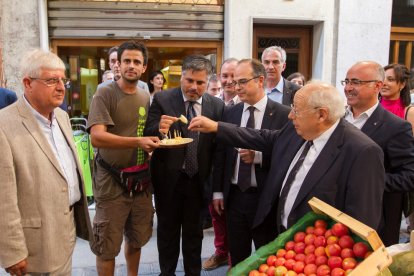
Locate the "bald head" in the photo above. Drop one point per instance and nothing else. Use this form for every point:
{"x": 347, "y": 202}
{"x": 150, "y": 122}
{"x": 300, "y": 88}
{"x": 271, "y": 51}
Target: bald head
{"x": 363, "y": 83}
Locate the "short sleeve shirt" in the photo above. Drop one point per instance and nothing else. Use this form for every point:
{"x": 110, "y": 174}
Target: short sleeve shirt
{"x": 124, "y": 115}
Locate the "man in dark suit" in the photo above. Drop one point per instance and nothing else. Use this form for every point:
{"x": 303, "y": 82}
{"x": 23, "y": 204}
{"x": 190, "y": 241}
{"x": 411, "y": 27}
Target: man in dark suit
{"x": 230, "y": 192}
{"x": 179, "y": 174}
{"x": 318, "y": 155}
{"x": 363, "y": 82}
{"x": 277, "y": 88}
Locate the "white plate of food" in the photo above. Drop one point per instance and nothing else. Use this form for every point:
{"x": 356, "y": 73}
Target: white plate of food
{"x": 177, "y": 142}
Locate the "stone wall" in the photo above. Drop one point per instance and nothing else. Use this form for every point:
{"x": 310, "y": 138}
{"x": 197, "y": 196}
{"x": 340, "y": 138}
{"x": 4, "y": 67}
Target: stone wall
{"x": 19, "y": 32}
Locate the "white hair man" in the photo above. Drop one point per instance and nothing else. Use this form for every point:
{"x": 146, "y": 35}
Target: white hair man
{"x": 43, "y": 202}
{"x": 324, "y": 156}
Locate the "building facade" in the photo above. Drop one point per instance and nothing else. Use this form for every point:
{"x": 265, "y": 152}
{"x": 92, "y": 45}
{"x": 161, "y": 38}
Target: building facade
{"x": 322, "y": 38}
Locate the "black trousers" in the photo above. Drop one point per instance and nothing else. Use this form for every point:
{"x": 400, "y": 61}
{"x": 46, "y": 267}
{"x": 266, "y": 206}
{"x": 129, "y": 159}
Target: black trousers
{"x": 180, "y": 215}
{"x": 392, "y": 211}
{"x": 241, "y": 210}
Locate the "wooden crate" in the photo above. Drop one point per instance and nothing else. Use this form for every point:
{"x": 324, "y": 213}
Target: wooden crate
{"x": 378, "y": 260}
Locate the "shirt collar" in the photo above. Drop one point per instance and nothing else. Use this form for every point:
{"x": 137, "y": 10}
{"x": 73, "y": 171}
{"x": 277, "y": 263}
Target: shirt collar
{"x": 199, "y": 101}
{"x": 260, "y": 105}
{"x": 278, "y": 88}
{"x": 39, "y": 117}
{"x": 367, "y": 112}
{"x": 320, "y": 142}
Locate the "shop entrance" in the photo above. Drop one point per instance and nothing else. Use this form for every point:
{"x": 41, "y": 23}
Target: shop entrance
{"x": 87, "y": 60}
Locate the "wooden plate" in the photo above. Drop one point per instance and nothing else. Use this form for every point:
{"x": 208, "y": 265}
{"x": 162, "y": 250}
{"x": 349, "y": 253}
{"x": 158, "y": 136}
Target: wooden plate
{"x": 177, "y": 143}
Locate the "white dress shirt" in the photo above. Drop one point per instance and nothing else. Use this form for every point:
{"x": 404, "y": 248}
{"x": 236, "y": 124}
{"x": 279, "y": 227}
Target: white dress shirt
{"x": 260, "y": 108}
{"x": 359, "y": 121}
{"x": 62, "y": 152}
{"x": 313, "y": 153}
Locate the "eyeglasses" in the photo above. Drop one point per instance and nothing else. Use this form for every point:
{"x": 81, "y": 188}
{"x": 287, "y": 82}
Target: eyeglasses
{"x": 54, "y": 81}
{"x": 298, "y": 113}
{"x": 356, "y": 82}
{"x": 243, "y": 82}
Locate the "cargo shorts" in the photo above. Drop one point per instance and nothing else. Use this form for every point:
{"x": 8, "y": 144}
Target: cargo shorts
{"x": 127, "y": 216}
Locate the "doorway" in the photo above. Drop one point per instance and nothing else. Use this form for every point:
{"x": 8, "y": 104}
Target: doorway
{"x": 296, "y": 40}
{"x": 86, "y": 60}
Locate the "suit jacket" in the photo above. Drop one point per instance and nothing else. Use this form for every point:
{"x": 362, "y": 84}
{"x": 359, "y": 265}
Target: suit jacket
{"x": 166, "y": 164}
{"x": 347, "y": 174}
{"x": 34, "y": 193}
{"x": 275, "y": 117}
{"x": 289, "y": 90}
{"x": 394, "y": 136}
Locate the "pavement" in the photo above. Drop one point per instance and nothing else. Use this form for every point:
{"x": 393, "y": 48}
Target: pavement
{"x": 83, "y": 263}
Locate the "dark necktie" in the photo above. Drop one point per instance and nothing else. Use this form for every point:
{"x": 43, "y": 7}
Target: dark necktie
{"x": 289, "y": 182}
{"x": 191, "y": 161}
{"x": 245, "y": 170}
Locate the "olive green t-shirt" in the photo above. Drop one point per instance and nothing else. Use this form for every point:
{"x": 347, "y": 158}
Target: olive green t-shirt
{"x": 124, "y": 115}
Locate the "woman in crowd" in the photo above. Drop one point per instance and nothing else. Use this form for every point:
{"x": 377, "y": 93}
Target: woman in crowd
{"x": 155, "y": 82}
{"x": 395, "y": 97}
{"x": 297, "y": 78}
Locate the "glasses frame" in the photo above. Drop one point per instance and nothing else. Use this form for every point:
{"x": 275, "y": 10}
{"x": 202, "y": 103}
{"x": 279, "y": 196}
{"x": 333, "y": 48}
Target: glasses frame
{"x": 356, "y": 82}
{"x": 55, "y": 81}
{"x": 243, "y": 82}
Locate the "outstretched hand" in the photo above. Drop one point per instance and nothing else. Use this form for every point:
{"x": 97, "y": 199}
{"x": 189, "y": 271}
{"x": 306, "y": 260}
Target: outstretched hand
{"x": 203, "y": 124}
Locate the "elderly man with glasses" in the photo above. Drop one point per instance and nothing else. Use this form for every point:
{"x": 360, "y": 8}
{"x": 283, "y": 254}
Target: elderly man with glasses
{"x": 362, "y": 85}
{"x": 317, "y": 154}
{"x": 43, "y": 204}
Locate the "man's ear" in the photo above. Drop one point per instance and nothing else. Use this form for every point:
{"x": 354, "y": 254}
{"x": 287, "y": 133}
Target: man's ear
{"x": 323, "y": 114}
{"x": 144, "y": 68}
{"x": 27, "y": 82}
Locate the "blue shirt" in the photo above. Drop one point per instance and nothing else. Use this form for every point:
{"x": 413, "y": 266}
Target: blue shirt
{"x": 7, "y": 97}
{"x": 276, "y": 93}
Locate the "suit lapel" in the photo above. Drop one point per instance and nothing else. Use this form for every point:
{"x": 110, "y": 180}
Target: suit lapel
{"x": 374, "y": 122}
{"x": 286, "y": 93}
{"x": 178, "y": 108}
{"x": 206, "y": 111}
{"x": 32, "y": 126}
{"x": 268, "y": 116}
{"x": 324, "y": 161}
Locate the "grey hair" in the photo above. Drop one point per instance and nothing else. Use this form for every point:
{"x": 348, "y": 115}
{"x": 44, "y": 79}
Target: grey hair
{"x": 34, "y": 61}
{"x": 279, "y": 49}
{"x": 213, "y": 79}
{"x": 197, "y": 63}
{"x": 326, "y": 95}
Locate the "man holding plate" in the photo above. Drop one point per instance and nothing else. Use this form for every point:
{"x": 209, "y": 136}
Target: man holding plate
{"x": 179, "y": 174}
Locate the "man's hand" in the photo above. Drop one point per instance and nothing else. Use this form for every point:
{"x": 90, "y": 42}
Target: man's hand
{"x": 18, "y": 269}
{"x": 203, "y": 124}
{"x": 148, "y": 143}
{"x": 166, "y": 122}
{"x": 218, "y": 205}
{"x": 246, "y": 155}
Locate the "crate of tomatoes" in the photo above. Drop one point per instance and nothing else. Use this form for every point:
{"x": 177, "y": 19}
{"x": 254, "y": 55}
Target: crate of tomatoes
{"x": 323, "y": 242}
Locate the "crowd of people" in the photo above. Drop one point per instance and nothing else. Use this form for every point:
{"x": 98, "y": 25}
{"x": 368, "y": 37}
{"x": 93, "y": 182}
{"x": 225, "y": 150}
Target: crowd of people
{"x": 262, "y": 147}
